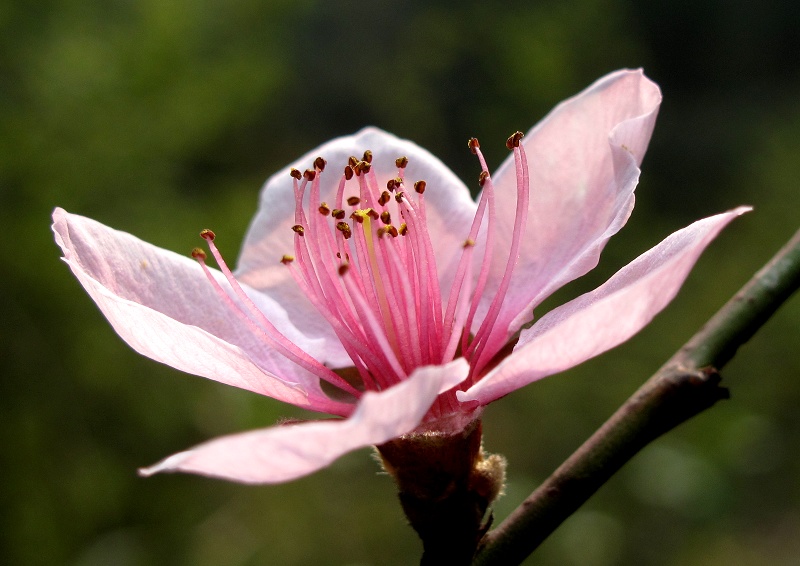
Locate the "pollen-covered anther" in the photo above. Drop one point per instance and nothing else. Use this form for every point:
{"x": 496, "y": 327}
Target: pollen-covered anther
{"x": 482, "y": 177}
{"x": 352, "y": 161}
{"x": 419, "y": 186}
{"x": 324, "y": 209}
{"x": 513, "y": 140}
{"x": 400, "y": 196}
{"x": 353, "y": 201}
{"x": 373, "y": 214}
{"x": 403, "y": 230}
{"x": 348, "y": 172}
{"x": 297, "y": 229}
{"x": 309, "y": 174}
{"x": 287, "y": 259}
{"x": 362, "y": 167}
{"x": 367, "y": 156}
{"x": 473, "y": 145}
{"x": 319, "y": 164}
{"x": 392, "y": 231}
{"x": 390, "y": 184}
{"x": 197, "y": 253}
{"x": 295, "y": 173}
{"x": 469, "y": 242}
{"x": 386, "y": 218}
{"x": 401, "y": 162}
{"x": 344, "y": 228}
{"x": 207, "y": 234}
{"x": 358, "y": 216}
{"x": 384, "y": 198}
{"x": 337, "y": 213}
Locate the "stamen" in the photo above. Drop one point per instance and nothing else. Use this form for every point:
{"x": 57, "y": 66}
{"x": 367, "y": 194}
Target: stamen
{"x": 374, "y": 326}
{"x": 344, "y": 228}
{"x": 486, "y": 339}
{"x": 269, "y": 333}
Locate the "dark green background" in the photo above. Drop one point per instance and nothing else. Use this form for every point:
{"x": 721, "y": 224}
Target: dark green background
{"x": 161, "y": 118}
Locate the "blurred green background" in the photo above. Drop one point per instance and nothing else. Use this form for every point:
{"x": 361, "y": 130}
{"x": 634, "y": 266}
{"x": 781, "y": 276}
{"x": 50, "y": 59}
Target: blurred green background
{"x": 161, "y": 118}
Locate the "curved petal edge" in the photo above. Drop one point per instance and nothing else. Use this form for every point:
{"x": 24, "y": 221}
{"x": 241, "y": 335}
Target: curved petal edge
{"x": 604, "y": 318}
{"x": 284, "y": 453}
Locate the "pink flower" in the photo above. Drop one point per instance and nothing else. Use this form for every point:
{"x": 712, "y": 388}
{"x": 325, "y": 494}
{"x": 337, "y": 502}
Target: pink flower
{"x": 383, "y": 263}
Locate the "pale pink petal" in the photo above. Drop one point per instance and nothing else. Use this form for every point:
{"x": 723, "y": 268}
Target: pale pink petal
{"x": 604, "y": 318}
{"x": 583, "y": 161}
{"x": 284, "y": 453}
{"x": 162, "y": 305}
{"x": 449, "y": 210}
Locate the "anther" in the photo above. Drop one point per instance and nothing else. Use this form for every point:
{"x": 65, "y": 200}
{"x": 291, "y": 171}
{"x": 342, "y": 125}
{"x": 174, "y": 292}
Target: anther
{"x": 324, "y": 209}
{"x": 298, "y": 229}
{"x": 513, "y": 140}
{"x": 295, "y": 173}
{"x": 403, "y": 230}
{"x": 357, "y": 217}
{"x": 352, "y": 161}
{"x": 392, "y": 230}
{"x": 384, "y": 198}
{"x": 399, "y": 196}
{"x": 343, "y": 269}
{"x": 363, "y": 167}
{"x": 419, "y": 186}
{"x": 319, "y": 164}
{"x": 473, "y": 145}
{"x": 367, "y": 156}
{"x": 309, "y": 174}
{"x": 386, "y": 218}
{"x": 353, "y": 201}
{"x": 469, "y": 242}
{"x": 390, "y": 184}
{"x": 401, "y": 162}
{"x": 484, "y": 175}
{"x": 344, "y": 228}
{"x": 381, "y": 232}
{"x": 287, "y": 259}
{"x": 337, "y": 213}
{"x": 207, "y": 234}
{"x": 348, "y": 172}
{"x": 373, "y": 214}
{"x": 197, "y": 253}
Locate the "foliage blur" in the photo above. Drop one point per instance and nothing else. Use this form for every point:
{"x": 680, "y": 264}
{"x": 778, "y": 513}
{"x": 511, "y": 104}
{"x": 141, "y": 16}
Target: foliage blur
{"x": 162, "y": 118}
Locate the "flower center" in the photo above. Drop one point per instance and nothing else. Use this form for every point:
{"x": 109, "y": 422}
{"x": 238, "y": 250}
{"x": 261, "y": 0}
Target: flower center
{"x": 367, "y": 264}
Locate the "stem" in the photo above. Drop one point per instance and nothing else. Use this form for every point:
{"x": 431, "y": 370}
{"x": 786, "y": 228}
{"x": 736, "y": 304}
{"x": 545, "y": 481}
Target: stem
{"x": 685, "y": 386}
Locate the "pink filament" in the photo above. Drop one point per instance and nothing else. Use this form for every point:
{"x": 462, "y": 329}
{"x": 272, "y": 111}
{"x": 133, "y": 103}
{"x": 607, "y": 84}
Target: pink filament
{"x": 379, "y": 288}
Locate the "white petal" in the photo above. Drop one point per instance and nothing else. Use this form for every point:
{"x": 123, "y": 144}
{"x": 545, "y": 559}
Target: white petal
{"x": 284, "y": 453}
{"x": 161, "y": 304}
{"x": 597, "y": 321}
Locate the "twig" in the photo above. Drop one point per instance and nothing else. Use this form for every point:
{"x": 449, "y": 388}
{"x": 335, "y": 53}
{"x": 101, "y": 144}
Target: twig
{"x": 685, "y": 386}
